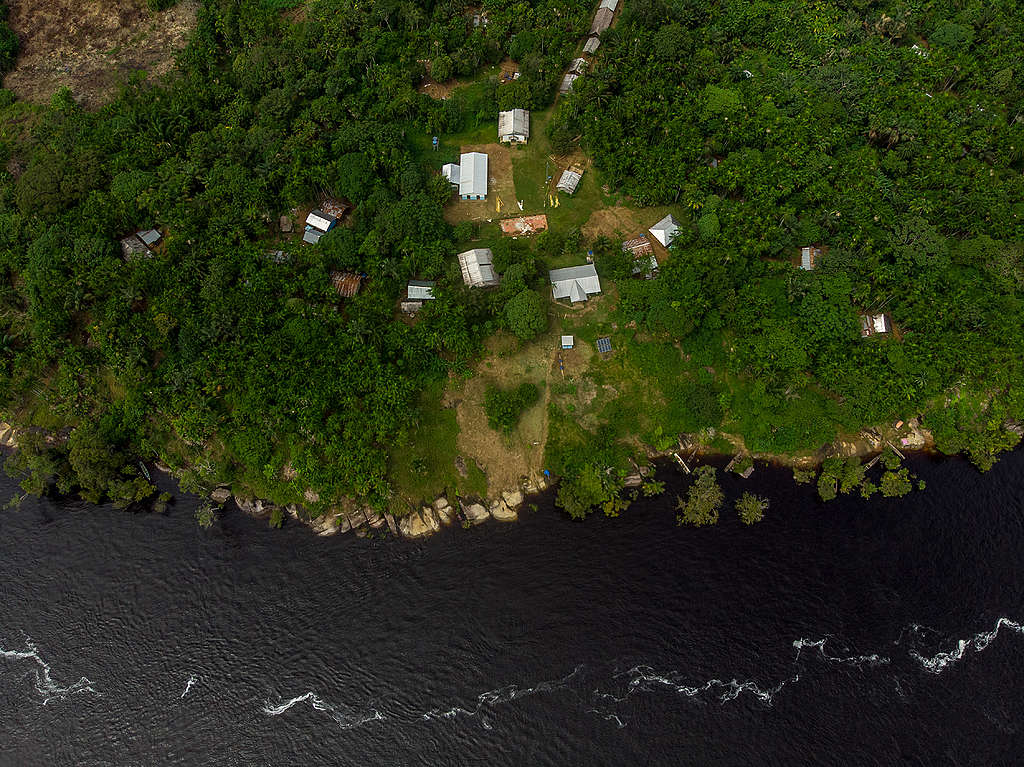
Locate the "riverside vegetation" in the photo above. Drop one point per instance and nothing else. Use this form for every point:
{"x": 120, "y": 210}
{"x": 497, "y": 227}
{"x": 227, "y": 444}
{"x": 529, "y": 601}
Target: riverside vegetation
{"x": 892, "y": 133}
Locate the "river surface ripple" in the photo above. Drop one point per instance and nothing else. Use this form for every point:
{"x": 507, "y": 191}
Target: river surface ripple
{"x": 859, "y": 632}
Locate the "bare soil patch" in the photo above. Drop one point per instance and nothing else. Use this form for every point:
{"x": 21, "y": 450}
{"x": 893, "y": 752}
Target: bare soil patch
{"x": 92, "y": 46}
{"x": 501, "y": 194}
{"x": 506, "y": 460}
{"x": 617, "y": 222}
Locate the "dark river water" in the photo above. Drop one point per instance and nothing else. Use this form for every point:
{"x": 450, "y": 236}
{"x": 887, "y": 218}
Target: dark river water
{"x": 859, "y": 632}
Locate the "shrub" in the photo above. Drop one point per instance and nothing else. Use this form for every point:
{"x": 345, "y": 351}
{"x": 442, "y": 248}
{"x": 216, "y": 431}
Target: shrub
{"x": 504, "y": 408}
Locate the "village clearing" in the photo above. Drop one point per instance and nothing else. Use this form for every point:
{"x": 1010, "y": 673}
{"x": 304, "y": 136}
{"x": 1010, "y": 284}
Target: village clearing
{"x": 93, "y": 46}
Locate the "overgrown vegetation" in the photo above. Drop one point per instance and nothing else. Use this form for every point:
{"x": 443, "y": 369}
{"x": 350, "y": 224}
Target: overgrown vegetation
{"x": 8, "y": 42}
{"x": 505, "y": 406}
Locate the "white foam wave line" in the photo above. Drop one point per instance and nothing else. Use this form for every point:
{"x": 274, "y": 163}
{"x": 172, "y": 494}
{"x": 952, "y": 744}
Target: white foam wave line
{"x": 344, "y": 720}
{"x": 938, "y": 662}
{"x": 853, "y": 660}
{"x": 501, "y": 695}
{"x": 642, "y": 677}
{"x": 608, "y": 716}
{"x": 192, "y": 679}
{"x": 45, "y": 686}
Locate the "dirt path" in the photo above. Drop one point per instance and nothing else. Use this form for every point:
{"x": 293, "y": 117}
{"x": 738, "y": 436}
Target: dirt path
{"x": 91, "y": 46}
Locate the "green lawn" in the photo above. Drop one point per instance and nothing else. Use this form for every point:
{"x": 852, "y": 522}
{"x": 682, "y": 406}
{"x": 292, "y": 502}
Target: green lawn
{"x": 424, "y": 468}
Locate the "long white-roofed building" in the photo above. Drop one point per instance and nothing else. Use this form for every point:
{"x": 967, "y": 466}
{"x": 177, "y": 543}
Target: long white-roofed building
{"x": 473, "y": 176}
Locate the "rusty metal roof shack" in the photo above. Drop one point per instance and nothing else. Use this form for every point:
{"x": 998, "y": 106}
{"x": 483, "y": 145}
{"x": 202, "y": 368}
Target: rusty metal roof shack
{"x": 524, "y": 225}
{"x": 346, "y": 284}
{"x": 336, "y": 208}
{"x": 602, "y": 20}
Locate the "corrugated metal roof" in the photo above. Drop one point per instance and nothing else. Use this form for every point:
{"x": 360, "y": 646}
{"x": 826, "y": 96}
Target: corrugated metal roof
{"x": 451, "y": 172}
{"x": 335, "y": 208}
{"x": 665, "y": 230}
{"x": 318, "y": 219}
{"x": 592, "y": 43}
{"x": 568, "y": 342}
{"x": 477, "y": 268}
{"x": 514, "y": 124}
{"x": 611, "y": 5}
{"x": 132, "y": 246}
{"x": 420, "y": 290}
{"x": 149, "y": 237}
{"x": 602, "y": 20}
{"x": 473, "y": 174}
{"x": 311, "y": 235}
{"x": 579, "y": 66}
{"x": 567, "y": 82}
{"x": 347, "y": 284}
{"x": 575, "y": 282}
{"x": 569, "y": 181}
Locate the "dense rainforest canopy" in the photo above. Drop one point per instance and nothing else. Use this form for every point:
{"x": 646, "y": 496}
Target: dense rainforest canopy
{"x": 775, "y": 124}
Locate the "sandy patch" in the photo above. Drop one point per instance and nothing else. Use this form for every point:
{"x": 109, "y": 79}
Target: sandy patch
{"x": 501, "y": 195}
{"x": 617, "y": 223}
{"x": 92, "y": 46}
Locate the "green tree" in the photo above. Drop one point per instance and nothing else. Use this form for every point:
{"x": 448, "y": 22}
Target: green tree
{"x": 703, "y": 499}
{"x": 751, "y": 508}
{"x": 525, "y": 315}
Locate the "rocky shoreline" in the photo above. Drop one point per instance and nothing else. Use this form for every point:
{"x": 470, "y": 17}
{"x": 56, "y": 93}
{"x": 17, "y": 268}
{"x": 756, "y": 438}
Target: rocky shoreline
{"x": 364, "y": 521}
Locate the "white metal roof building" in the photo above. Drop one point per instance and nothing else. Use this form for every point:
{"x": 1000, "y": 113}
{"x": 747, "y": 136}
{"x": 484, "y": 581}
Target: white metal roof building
{"x": 451, "y": 172}
{"x": 473, "y": 176}
{"x": 478, "y": 268}
{"x": 318, "y": 224}
{"x": 149, "y": 237}
{"x": 514, "y": 126}
{"x": 809, "y": 257}
{"x": 592, "y": 42}
{"x": 568, "y": 342}
{"x": 567, "y": 82}
{"x": 611, "y": 5}
{"x": 575, "y": 282}
{"x": 579, "y": 66}
{"x": 420, "y": 290}
{"x": 569, "y": 181}
{"x": 665, "y": 230}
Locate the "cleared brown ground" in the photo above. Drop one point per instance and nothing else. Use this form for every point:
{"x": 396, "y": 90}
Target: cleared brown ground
{"x": 621, "y": 223}
{"x": 506, "y": 460}
{"x": 92, "y": 46}
{"x": 499, "y": 187}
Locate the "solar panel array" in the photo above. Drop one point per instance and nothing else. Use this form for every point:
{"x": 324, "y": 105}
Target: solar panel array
{"x": 604, "y": 345}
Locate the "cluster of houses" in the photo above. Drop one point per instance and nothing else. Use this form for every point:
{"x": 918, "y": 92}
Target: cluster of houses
{"x": 602, "y": 20}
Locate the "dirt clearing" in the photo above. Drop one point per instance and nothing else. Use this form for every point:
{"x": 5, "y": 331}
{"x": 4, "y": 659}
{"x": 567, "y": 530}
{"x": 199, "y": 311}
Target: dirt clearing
{"x": 617, "y": 222}
{"x": 500, "y": 188}
{"x": 506, "y": 460}
{"x": 92, "y": 46}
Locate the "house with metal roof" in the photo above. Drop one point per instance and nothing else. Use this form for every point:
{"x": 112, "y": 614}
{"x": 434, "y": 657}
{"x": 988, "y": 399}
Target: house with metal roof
{"x": 665, "y": 230}
{"x": 131, "y": 246}
{"x": 575, "y": 283}
{"x": 569, "y": 180}
{"x": 567, "y": 82}
{"x": 420, "y": 290}
{"x": 875, "y": 324}
{"x": 150, "y": 237}
{"x": 318, "y": 223}
{"x": 602, "y": 20}
{"x": 346, "y": 284}
{"x": 478, "y": 268}
{"x": 514, "y": 126}
{"x": 451, "y": 172}
{"x": 473, "y": 176}
{"x": 644, "y": 261}
{"x": 591, "y": 45}
{"x": 810, "y": 256}
{"x": 579, "y": 66}
{"x": 568, "y": 342}
{"x": 611, "y": 5}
